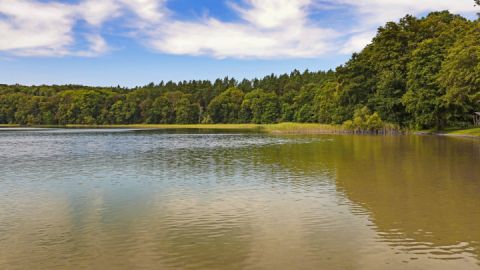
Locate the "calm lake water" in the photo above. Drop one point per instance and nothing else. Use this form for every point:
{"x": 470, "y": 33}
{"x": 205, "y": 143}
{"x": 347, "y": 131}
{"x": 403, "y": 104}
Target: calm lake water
{"x": 124, "y": 199}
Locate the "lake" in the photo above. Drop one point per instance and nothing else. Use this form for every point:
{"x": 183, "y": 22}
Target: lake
{"x": 124, "y": 199}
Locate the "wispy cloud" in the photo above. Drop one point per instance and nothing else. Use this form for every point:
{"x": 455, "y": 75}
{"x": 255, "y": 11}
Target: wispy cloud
{"x": 268, "y": 29}
{"x": 263, "y": 29}
{"x": 369, "y": 14}
{"x": 30, "y": 27}
{"x": 35, "y": 28}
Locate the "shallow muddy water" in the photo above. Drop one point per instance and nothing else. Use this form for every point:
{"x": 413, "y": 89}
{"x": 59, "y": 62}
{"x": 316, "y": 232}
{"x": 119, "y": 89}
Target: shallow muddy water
{"x": 124, "y": 199}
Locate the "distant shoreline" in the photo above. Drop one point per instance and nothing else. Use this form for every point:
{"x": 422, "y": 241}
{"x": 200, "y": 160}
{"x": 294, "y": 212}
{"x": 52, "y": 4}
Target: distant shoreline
{"x": 280, "y": 128}
{"x": 464, "y": 133}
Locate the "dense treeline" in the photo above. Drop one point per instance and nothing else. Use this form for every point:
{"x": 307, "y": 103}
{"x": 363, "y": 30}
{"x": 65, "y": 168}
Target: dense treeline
{"x": 417, "y": 73}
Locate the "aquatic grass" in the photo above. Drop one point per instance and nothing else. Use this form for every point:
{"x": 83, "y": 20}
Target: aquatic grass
{"x": 280, "y": 128}
{"x": 175, "y": 126}
{"x": 465, "y": 132}
{"x": 454, "y": 132}
{"x": 303, "y": 128}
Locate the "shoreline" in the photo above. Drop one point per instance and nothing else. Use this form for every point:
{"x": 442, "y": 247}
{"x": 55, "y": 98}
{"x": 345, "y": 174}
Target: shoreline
{"x": 458, "y": 133}
{"x": 279, "y": 128}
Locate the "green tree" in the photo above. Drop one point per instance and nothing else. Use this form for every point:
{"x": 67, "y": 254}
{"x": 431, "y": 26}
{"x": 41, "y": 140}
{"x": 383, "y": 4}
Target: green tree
{"x": 225, "y": 108}
{"x": 304, "y": 106}
{"x": 162, "y": 111}
{"x": 460, "y": 77}
{"x": 364, "y": 121}
{"x": 326, "y": 101}
{"x": 260, "y": 107}
{"x": 116, "y": 113}
{"x": 423, "y": 99}
{"x": 186, "y": 112}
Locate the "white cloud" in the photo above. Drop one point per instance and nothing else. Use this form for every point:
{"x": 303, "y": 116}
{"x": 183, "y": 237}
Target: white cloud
{"x": 376, "y": 12}
{"x": 357, "y": 42}
{"x": 284, "y": 28}
{"x": 30, "y": 26}
{"x": 269, "y": 29}
{"x": 96, "y": 12}
{"x": 35, "y": 28}
{"x": 274, "y": 13}
{"x": 96, "y": 46}
{"x": 219, "y": 39}
{"x": 151, "y": 11}
{"x": 264, "y": 29}
{"x": 371, "y": 14}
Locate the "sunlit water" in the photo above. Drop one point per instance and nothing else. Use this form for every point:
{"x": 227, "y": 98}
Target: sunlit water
{"x": 124, "y": 199}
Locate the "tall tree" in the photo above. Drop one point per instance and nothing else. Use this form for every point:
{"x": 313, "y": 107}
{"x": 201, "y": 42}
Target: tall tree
{"x": 460, "y": 77}
{"x": 225, "y": 108}
{"x": 260, "y": 107}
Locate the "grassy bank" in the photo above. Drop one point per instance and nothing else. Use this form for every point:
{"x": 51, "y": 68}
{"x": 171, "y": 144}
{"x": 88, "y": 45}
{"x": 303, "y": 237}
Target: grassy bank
{"x": 453, "y": 132}
{"x": 8, "y": 125}
{"x": 281, "y": 128}
{"x": 175, "y": 126}
{"x": 302, "y": 128}
{"x": 473, "y": 132}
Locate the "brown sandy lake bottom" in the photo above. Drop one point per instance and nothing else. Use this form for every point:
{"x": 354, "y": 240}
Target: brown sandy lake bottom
{"x": 125, "y": 199}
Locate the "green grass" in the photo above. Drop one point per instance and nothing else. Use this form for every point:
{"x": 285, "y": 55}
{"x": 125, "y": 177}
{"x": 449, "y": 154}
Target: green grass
{"x": 281, "y": 128}
{"x": 175, "y": 126}
{"x": 302, "y": 128}
{"x": 465, "y": 132}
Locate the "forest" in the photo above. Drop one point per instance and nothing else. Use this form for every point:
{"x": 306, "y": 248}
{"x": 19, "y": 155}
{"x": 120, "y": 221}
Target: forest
{"x": 418, "y": 73}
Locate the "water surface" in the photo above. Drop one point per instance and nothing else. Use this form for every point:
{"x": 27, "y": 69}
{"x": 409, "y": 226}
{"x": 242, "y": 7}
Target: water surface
{"x": 123, "y": 199}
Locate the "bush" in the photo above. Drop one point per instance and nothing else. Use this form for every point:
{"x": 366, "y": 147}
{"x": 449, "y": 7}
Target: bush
{"x": 348, "y": 125}
{"x": 364, "y": 121}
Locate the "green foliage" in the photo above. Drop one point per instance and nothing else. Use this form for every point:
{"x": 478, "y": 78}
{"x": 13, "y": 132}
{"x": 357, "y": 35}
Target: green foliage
{"x": 327, "y": 103}
{"x": 303, "y": 105}
{"x": 260, "y": 107}
{"x": 460, "y": 76}
{"x": 186, "y": 112}
{"x": 364, "y": 121}
{"x": 424, "y": 97}
{"x": 225, "y": 108}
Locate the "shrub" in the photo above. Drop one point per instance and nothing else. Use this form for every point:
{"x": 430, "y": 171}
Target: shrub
{"x": 364, "y": 121}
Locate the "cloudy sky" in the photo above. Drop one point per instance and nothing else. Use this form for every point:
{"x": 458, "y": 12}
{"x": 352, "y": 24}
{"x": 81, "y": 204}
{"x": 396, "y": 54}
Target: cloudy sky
{"x": 134, "y": 42}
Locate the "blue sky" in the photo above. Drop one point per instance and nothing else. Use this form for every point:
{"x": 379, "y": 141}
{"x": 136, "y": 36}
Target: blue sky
{"x": 134, "y": 42}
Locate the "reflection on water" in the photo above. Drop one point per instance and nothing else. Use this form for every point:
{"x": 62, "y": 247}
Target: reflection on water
{"x": 162, "y": 200}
